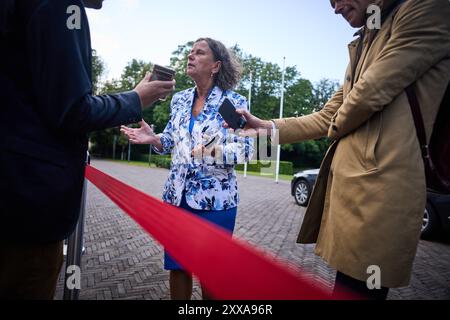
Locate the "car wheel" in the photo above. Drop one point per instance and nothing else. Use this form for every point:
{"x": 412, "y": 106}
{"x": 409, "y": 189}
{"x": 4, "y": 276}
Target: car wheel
{"x": 302, "y": 193}
{"x": 430, "y": 225}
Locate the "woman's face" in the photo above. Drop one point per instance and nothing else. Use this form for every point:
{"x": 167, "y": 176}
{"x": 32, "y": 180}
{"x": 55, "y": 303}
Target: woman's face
{"x": 201, "y": 64}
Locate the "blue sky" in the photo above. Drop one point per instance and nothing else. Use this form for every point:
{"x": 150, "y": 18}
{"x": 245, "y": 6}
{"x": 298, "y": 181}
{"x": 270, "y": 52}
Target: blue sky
{"x": 306, "y": 32}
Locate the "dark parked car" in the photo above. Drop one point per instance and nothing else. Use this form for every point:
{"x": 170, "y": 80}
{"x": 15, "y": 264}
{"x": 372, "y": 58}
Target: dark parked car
{"x": 436, "y": 216}
{"x": 302, "y": 184}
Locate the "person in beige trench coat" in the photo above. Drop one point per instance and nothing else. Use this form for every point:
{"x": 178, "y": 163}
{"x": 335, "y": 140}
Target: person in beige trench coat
{"x": 368, "y": 202}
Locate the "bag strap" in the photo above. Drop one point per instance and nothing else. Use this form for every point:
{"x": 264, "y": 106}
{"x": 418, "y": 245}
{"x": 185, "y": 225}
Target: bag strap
{"x": 418, "y": 120}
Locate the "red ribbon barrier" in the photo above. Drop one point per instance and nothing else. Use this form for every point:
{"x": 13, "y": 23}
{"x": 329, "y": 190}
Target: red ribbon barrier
{"x": 230, "y": 269}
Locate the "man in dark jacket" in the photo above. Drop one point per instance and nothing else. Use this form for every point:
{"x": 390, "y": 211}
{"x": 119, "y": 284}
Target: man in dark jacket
{"x": 46, "y": 111}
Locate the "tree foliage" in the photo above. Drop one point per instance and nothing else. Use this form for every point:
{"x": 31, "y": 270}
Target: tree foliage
{"x": 301, "y": 97}
{"x": 98, "y": 68}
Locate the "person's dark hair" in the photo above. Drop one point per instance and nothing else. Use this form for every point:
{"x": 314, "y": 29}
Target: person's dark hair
{"x": 231, "y": 69}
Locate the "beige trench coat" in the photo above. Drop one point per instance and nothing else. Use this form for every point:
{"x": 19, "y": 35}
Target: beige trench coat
{"x": 368, "y": 202}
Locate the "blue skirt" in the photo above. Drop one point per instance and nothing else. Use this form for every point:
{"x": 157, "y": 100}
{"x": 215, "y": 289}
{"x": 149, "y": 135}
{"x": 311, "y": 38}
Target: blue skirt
{"x": 225, "y": 219}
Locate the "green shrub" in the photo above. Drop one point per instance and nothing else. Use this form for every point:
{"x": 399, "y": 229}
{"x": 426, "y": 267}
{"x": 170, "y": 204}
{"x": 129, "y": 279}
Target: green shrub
{"x": 162, "y": 161}
{"x": 286, "y": 167}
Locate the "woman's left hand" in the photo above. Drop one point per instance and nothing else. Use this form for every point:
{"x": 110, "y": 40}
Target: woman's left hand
{"x": 202, "y": 150}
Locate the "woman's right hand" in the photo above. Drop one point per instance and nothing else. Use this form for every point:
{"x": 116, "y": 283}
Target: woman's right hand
{"x": 142, "y": 135}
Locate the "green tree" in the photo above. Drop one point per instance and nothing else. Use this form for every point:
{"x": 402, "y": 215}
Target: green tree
{"x": 301, "y": 98}
{"x": 266, "y": 85}
{"x": 298, "y": 98}
{"x": 179, "y": 62}
{"x": 111, "y": 86}
{"x": 103, "y": 141}
{"x": 98, "y": 69}
{"x": 310, "y": 153}
{"x": 133, "y": 73}
{"x": 322, "y": 92}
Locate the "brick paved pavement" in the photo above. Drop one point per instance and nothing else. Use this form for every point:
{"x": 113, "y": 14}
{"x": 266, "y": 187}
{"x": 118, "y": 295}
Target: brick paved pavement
{"x": 123, "y": 262}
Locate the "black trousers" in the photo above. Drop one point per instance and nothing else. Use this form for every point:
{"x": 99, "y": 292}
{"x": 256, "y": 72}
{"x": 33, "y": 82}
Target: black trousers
{"x": 348, "y": 285}
{"x": 29, "y": 271}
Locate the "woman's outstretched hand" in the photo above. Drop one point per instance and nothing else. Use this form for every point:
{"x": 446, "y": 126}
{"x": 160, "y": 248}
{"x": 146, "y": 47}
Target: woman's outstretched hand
{"x": 142, "y": 135}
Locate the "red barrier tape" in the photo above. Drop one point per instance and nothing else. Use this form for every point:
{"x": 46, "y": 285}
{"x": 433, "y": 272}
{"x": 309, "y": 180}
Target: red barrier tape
{"x": 229, "y": 268}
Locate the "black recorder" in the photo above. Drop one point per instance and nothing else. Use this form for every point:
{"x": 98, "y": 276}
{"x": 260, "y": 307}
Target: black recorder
{"x": 228, "y": 112}
{"x": 161, "y": 73}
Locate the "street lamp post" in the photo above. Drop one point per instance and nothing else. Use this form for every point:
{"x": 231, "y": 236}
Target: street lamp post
{"x": 281, "y": 116}
{"x": 114, "y": 147}
{"x": 150, "y": 148}
{"x": 129, "y": 151}
{"x": 249, "y": 110}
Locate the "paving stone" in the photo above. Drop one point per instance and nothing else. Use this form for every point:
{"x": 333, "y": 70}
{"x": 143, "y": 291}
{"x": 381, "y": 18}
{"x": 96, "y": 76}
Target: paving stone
{"x": 122, "y": 261}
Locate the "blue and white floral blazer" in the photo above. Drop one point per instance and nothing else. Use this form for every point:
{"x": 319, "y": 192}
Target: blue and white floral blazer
{"x": 209, "y": 183}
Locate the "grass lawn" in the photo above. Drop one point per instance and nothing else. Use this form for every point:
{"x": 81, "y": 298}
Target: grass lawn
{"x": 250, "y": 173}
{"x": 272, "y": 176}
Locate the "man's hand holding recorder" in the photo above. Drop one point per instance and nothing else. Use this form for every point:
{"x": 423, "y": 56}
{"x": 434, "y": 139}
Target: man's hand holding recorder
{"x": 156, "y": 85}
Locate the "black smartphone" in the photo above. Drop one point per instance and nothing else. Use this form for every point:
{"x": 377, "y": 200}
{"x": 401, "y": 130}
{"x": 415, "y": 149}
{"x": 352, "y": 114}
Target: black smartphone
{"x": 162, "y": 73}
{"x": 228, "y": 112}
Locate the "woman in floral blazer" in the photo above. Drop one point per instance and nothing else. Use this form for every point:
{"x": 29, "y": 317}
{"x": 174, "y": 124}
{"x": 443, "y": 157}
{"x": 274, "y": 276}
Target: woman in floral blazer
{"x": 202, "y": 179}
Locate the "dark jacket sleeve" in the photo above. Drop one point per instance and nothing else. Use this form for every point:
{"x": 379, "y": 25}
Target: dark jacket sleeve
{"x": 59, "y": 54}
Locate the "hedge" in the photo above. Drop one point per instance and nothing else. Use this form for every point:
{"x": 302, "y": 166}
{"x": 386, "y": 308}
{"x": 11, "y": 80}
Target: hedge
{"x": 158, "y": 160}
{"x": 286, "y": 167}
{"x": 162, "y": 161}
